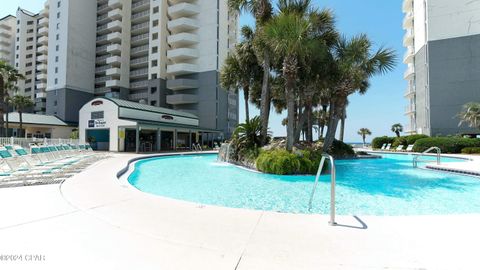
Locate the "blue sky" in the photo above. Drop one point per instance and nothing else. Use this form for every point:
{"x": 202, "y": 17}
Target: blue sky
{"x": 384, "y": 104}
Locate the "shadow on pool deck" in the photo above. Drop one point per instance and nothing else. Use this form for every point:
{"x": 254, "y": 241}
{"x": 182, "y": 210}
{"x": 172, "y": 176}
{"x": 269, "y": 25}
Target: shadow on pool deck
{"x": 363, "y": 227}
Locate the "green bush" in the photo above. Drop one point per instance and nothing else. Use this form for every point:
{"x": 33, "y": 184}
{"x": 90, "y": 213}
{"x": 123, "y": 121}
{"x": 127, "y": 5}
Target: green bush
{"x": 471, "y": 150}
{"x": 341, "y": 150}
{"x": 407, "y": 140}
{"x": 399, "y": 141}
{"x": 378, "y": 142}
{"x": 446, "y": 144}
{"x": 280, "y": 161}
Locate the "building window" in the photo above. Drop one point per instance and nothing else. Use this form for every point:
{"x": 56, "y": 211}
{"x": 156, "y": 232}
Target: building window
{"x": 18, "y": 47}
{"x": 154, "y": 49}
{"x": 18, "y": 30}
{"x": 56, "y": 69}
{"x": 155, "y": 10}
{"x": 58, "y": 26}
{"x": 16, "y": 56}
{"x": 154, "y": 63}
{"x": 58, "y": 36}
{"x": 155, "y": 23}
{"x": 56, "y": 81}
{"x": 29, "y": 47}
{"x": 55, "y": 103}
{"x": 153, "y": 102}
{"x": 58, "y": 4}
{"x": 56, "y": 59}
{"x": 29, "y": 22}
{"x": 97, "y": 115}
{"x": 57, "y": 47}
{"x": 29, "y": 39}
{"x": 154, "y": 76}
{"x": 29, "y": 56}
{"x": 28, "y": 72}
{"x": 58, "y": 15}
{"x": 155, "y": 36}
{"x": 153, "y": 89}
{"x": 29, "y": 31}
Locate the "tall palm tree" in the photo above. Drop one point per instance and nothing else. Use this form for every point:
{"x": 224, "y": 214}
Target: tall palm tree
{"x": 8, "y": 75}
{"x": 241, "y": 68}
{"x": 21, "y": 103}
{"x": 397, "y": 128}
{"x": 470, "y": 115}
{"x": 364, "y": 132}
{"x": 355, "y": 65}
{"x": 262, "y": 11}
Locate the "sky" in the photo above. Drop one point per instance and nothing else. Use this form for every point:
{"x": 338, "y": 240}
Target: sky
{"x": 381, "y": 20}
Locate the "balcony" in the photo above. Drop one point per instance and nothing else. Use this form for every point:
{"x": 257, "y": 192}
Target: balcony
{"x": 42, "y": 58}
{"x": 42, "y": 86}
{"x": 103, "y": 8}
{"x": 4, "y": 41}
{"x": 408, "y": 20}
{"x": 407, "y": 6}
{"x": 101, "y": 59}
{"x": 179, "y": 99}
{"x": 141, "y": 5}
{"x": 102, "y": 29}
{"x": 182, "y": 54}
{"x": 114, "y": 72}
{"x": 5, "y": 33}
{"x": 140, "y": 50}
{"x": 115, "y": 26}
{"x": 140, "y": 28}
{"x": 43, "y": 31}
{"x": 102, "y": 39}
{"x": 114, "y": 60}
{"x": 139, "y": 73}
{"x": 142, "y": 61}
{"x": 183, "y": 10}
{"x": 182, "y": 84}
{"x": 182, "y": 39}
{"x": 42, "y": 49}
{"x": 103, "y": 18}
{"x": 42, "y": 67}
{"x": 141, "y": 16}
{"x": 180, "y": 69}
{"x": 114, "y": 37}
{"x": 409, "y": 55}
{"x": 42, "y": 77}
{"x": 408, "y": 38}
{"x": 410, "y": 92}
{"x": 43, "y": 40}
{"x": 41, "y": 94}
{"x": 112, "y": 83}
{"x": 410, "y": 109}
{"x": 182, "y": 25}
{"x": 43, "y": 22}
{"x": 409, "y": 73}
{"x": 101, "y": 79}
{"x": 101, "y": 49}
{"x": 138, "y": 85}
{"x": 115, "y": 14}
{"x": 114, "y": 4}
{"x": 140, "y": 39}
{"x": 101, "y": 69}
{"x": 138, "y": 96}
{"x": 44, "y": 12}
{"x": 114, "y": 48}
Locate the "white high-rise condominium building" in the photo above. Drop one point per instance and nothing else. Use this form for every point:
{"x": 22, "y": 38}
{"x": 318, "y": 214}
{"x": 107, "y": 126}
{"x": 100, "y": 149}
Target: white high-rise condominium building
{"x": 443, "y": 63}
{"x": 7, "y": 39}
{"x": 160, "y": 53}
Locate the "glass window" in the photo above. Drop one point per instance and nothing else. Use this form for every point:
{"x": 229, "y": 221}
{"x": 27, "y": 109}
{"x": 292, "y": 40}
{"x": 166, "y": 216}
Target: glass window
{"x": 155, "y": 10}
{"x": 97, "y": 115}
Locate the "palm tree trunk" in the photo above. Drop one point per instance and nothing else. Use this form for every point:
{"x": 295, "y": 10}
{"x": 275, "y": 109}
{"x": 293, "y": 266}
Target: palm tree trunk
{"x": 342, "y": 125}
{"x": 246, "y": 90}
{"x": 308, "y": 111}
{"x": 265, "y": 98}
{"x": 335, "y": 115}
{"x": 7, "y": 122}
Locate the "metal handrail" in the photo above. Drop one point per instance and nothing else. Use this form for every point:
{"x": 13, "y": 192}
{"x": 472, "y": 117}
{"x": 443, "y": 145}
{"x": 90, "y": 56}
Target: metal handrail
{"x": 439, "y": 152}
{"x": 332, "y": 188}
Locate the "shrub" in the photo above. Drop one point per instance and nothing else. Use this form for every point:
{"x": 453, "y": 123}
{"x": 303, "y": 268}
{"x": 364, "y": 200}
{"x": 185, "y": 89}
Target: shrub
{"x": 446, "y": 144}
{"x": 280, "y": 161}
{"x": 411, "y": 139}
{"x": 471, "y": 150}
{"x": 399, "y": 141}
{"x": 378, "y": 142}
{"x": 341, "y": 150}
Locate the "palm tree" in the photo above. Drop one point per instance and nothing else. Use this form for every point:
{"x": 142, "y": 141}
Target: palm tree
{"x": 397, "y": 128}
{"x": 355, "y": 65}
{"x": 364, "y": 132}
{"x": 21, "y": 103}
{"x": 289, "y": 35}
{"x": 262, "y": 11}
{"x": 8, "y": 76}
{"x": 470, "y": 115}
{"x": 241, "y": 68}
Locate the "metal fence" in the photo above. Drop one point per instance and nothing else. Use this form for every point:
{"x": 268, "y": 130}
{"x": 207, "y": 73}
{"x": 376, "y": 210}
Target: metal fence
{"x": 26, "y": 142}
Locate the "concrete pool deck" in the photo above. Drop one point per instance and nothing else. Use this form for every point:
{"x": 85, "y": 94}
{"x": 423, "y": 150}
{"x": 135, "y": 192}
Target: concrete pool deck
{"x": 93, "y": 221}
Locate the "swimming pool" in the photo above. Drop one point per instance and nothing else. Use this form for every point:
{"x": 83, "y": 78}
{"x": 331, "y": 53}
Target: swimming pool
{"x": 387, "y": 186}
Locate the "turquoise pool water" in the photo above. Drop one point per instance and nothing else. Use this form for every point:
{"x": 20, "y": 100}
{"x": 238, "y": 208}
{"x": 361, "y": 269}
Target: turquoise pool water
{"x": 387, "y": 186}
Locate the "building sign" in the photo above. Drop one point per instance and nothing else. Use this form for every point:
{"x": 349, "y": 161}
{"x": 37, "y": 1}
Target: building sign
{"x": 167, "y": 117}
{"x": 97, "y": 102}
{"x": 99, "y": 123}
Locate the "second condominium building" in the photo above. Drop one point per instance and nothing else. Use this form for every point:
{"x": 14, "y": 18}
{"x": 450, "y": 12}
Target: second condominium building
{"x": 443, "y": 58}
{"x": 155, "y": 52}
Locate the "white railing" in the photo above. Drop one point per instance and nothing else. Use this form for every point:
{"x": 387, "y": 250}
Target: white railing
{"x": 26, "y": 142}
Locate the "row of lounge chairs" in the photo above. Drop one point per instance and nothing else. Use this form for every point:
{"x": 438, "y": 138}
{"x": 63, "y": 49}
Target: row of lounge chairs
{"x": 400, "y": 148}
{"x": 43, "y": 163}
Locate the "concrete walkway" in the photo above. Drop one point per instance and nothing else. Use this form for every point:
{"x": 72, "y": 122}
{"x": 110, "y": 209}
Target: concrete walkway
{"x": 93, "y": 221}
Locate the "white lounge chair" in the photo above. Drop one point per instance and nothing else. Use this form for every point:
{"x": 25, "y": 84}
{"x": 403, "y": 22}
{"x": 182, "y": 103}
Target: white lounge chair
{"x": 388, "y": 147}
{"x": 399, "y": 148}
{"x": 383, "y": 146}
{"x": 409, "y": 148}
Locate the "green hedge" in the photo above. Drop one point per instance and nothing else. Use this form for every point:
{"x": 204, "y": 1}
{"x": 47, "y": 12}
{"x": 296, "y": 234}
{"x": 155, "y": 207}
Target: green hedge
{"x": 471, "y": 150}
{"x": 407, "y": 140}
{"x": 447, "y": 144}
{"x": 378, "y": 142}
{"x": 280, "y": 161}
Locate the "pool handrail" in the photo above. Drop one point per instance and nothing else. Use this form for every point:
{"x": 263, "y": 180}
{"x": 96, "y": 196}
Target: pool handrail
{"x": 332, "y": 188}
{"x": 439, "y": 152}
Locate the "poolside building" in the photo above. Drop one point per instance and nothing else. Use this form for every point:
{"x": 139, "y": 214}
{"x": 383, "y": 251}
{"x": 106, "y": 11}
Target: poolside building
{"x": 443, "y": 59}
{"x": 38, "y": 126}
{"x": 125, "y": 126}
{"x": 166, "y": 54}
